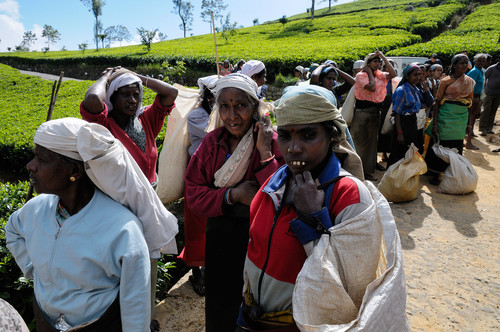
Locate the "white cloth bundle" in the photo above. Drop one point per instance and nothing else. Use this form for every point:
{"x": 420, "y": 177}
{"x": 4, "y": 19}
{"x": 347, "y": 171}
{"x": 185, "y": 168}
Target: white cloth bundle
{"x": 113, "y": 170}
{"x": 354, "y": 279}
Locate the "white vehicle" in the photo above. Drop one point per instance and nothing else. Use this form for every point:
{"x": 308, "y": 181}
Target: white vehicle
{"x": 402, "y": 61}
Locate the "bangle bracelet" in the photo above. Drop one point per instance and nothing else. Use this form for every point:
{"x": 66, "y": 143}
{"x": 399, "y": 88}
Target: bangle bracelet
{"x": 268, "y": 159}
{"x": 146, "y": 84}
{"x": 228, "y": 201}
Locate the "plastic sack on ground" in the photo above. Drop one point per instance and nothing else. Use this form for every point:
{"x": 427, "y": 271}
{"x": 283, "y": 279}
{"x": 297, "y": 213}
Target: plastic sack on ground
{"x": 354, "y": 279}
{"x": 347, "y": 109}
{"x": 174, "y": 154}
{"x": 460, "y": 177}
{"x": 401, "y": 180}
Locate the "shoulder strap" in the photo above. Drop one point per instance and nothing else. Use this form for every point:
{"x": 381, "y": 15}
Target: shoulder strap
{"x": 328, "y": 188}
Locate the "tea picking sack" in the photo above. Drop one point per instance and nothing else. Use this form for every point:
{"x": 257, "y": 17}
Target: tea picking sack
{"x": 174, "y": 154}
{"x": 401, "y": 180}
{"x": 460, "y": 177}
{"x": 354, "y": 278}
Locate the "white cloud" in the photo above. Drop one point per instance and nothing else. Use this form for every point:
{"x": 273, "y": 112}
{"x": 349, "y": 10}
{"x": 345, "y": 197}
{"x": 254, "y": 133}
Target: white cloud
{"x": 11, "y": 29}
{"x": 10, "y": 8}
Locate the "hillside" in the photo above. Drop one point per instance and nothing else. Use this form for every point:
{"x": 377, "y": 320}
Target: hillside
{"x": 345, "y": 33}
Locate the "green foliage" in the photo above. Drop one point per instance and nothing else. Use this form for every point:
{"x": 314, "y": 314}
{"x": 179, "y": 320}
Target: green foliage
{"x": 478, "y": 33}
{"x": 14, "y": 288}
{"x": 24, "y": 102}
{"x": 282, "y": 81}
{"x": 147, "y": 37}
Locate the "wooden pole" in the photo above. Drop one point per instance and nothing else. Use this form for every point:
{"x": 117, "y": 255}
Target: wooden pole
{"x": 53, "y": 97}
{"x": 215, "y": 42}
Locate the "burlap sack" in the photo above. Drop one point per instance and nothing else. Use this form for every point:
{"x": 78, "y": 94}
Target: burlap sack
{"x": 354, "y": 279}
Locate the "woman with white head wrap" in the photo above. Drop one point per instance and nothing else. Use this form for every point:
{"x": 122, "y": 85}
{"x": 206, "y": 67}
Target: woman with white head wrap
{"x": 85, "y": 239}
{"x": 223, "y": 175}
{"x": 256, "y": 70}
{"x": 115, "y": 101}
{"x": 301, "y": 201}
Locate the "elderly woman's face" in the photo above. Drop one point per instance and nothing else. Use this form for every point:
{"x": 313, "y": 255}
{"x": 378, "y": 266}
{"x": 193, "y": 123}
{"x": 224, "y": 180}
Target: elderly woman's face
{"x": 236, "y": 110}
{"x": 304, "y": 147}
{"x": 49, "y": 174}
{"x": 126, "y": 100}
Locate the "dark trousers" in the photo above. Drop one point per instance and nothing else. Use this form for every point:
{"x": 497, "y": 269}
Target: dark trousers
{"x": 490, "y": 106}
{"x": 436, "y": 164}
{"x": 225, "y": 252}
{"x": 410, "y": 134}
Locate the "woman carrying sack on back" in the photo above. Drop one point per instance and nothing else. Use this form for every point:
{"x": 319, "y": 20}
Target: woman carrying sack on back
{"x": 406, "y": 103}
{"x": 299, "y": 203}
{"x": 450, "y": 115}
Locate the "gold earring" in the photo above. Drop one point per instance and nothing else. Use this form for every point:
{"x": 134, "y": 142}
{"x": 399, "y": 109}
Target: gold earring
{"x": 72, "y": 179}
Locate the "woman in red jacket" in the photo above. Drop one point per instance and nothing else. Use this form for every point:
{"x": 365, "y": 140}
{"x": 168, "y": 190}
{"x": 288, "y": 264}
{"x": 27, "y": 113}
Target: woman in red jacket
{"x": 222, "y": 178}
{"x": 308, "y": 195}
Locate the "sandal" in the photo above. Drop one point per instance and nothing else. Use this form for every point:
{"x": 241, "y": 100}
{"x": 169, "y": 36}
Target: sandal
{"x": 197, "y": 280}
{"x": 370, "y": 177}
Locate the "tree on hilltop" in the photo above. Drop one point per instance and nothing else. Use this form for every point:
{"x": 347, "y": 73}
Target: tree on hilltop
{"x": 117, "y": 33}
{"x": 29, "y": 38}
{"x": 185, "y": 11}
{"x": 95, "y": 6}
{"x": 215, "y": 6}
{"x": 147, "y": 37}
{"x": 51, "y": 34}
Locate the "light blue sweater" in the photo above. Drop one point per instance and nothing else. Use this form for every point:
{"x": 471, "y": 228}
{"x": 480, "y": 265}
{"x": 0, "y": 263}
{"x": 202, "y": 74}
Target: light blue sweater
{"x": 79, "y": 268}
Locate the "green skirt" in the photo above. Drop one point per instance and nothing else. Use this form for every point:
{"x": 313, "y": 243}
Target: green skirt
{"x": 452, "y": 122}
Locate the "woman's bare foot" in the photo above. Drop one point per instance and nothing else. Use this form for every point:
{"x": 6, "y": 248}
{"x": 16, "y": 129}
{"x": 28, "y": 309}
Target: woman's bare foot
{"x": 470, "y": 146}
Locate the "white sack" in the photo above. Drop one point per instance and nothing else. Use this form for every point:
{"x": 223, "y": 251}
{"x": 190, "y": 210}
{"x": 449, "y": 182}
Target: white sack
{"x": 460, "y": 177}
{"x": 347, "y": 109}
{"x": 320, "y": 299}
{"x": 174, "y": 154}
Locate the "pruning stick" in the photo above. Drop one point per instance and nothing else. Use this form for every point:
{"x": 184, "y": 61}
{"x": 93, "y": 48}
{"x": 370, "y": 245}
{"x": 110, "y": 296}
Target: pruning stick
{"x": 215, "y": 42}
{"x": 53, "y": 97}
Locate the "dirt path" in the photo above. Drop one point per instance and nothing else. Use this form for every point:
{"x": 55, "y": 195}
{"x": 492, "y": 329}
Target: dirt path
{"x": 451, "y": 257}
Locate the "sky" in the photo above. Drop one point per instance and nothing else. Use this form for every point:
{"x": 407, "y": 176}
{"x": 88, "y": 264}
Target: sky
{"x": 75, "y": 23}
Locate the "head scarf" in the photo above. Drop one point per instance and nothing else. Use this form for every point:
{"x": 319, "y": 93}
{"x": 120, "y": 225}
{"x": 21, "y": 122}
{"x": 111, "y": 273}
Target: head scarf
{"x": 114, "y": 171}
{"x": 304, "y": 104}
{"x": 120, "y": 79}
{"x": 252, "y": 67}
{"x": 330, "y": 62}
{"x": 436, "y": 66}
{"x": 358, "y": 64}
{"x": 300, "y": 68}
{"x": 370, "y": 57}
{"x": 411, "y": 67}
{"x": 241, "y": 82}
{"x": 328, "y": 69}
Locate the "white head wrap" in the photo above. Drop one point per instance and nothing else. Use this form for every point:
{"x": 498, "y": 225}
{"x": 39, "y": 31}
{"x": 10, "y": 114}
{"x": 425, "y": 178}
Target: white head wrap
{"x": 114, "y": 171}
{"x": 358, "y": 64}
{"x": 207, "y": 82}
{"x": 238, "y": 81}
{"x": 252, "y": 67}
{"x": 124, "y": 80}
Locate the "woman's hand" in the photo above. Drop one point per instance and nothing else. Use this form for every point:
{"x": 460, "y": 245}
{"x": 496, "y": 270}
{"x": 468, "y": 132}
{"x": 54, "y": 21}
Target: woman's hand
{"x": 244, "y": 192}
{"x": 264, "y": 129}
{"x": 306, "y": 197}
